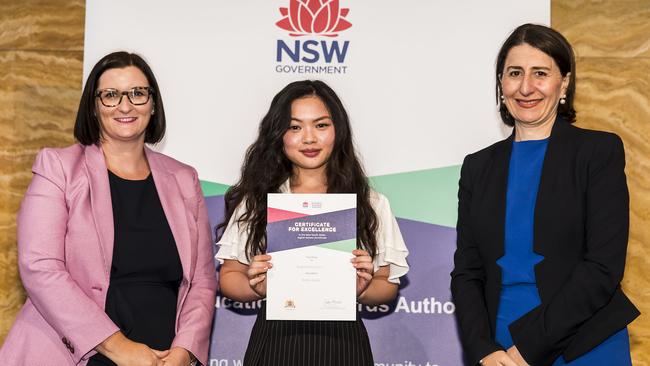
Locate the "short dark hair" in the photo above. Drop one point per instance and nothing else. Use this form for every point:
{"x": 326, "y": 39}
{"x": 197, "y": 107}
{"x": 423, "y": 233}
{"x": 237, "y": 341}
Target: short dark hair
{"x": 87, "y": 129}
{"x": 552, "y": 43}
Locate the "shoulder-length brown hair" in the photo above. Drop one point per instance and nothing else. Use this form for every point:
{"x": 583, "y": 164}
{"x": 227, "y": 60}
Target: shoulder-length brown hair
{"x": 87, "y": 129}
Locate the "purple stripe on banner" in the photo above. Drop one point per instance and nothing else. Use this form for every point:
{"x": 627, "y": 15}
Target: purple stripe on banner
{"x": 422, "y": 316}
{"x": 216, "y": 211}
{"x": 280, "y": 237}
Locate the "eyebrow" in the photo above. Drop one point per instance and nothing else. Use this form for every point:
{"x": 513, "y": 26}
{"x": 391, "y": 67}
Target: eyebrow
{"x": 116, "y": 89}
{"x": 534, "y": 68}
{"x": 316, "y": 120}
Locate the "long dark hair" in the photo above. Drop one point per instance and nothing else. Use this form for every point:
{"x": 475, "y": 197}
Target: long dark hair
{"x": 552, "y": 43}
{"x": 266, "y": 168}
{"x": 87, "y": 128}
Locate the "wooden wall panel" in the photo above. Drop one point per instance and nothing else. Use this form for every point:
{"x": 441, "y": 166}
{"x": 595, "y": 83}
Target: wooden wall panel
{"x": 41, "y": 65}
{"x": 612, "y": 43}
{"x": 42, "y": 25}
{"x": 599, "y": 28}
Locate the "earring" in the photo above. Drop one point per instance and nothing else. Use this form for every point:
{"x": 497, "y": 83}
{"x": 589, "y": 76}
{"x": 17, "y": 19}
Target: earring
{"x": 153, "y": 111}
{"x": 502, "y": 98}
{"x": 563, "y": 99}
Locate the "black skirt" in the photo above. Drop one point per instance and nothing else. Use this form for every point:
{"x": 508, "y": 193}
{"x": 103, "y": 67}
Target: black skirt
{"x": 307, "y": 343}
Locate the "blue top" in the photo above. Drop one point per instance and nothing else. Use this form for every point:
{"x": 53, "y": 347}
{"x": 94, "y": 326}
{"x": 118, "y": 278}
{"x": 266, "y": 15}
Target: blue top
{"x": 519, "y": 292}
{"x": 517, "y": 264}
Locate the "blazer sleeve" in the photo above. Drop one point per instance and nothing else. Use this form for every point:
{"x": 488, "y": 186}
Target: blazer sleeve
{"x": 42, "y": 223}
{"x": 195, "y": 318}
{"x": 544, "y": 332}
{"x": 468, "y": 280}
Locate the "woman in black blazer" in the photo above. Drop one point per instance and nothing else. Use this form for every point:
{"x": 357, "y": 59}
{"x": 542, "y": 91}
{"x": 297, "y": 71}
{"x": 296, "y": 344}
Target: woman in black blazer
{"x": 542, "y": 223}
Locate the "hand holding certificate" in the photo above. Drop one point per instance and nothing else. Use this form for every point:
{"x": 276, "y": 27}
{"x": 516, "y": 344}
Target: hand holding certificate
{"x": 311, "y": 238}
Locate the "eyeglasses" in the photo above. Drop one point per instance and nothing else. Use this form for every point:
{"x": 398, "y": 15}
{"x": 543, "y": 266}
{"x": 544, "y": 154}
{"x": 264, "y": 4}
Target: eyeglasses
{"x": 113, "y": 97}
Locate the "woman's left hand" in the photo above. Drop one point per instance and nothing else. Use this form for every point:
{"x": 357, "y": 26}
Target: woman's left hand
{"x": 177, "y": 357}
{"x": 363, "y": 264}
{"x": 514, "y": 354}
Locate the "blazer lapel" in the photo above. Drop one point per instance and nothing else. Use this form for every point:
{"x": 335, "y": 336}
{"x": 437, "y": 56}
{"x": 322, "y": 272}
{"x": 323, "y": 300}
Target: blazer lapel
{"x": 173, "y": 205}
{"x": 500, "y": 167}
{"x": 553, "y": 159}
{"x": 100, "y": 202}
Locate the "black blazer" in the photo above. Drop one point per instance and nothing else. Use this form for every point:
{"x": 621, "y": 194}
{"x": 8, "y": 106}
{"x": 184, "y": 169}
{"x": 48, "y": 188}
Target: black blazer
{"x": 581, "y": 229}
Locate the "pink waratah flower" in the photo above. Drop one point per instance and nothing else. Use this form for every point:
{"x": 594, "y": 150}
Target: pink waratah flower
{"x": 321, "y": 17}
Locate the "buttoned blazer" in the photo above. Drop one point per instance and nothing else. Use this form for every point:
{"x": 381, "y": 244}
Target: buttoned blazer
{"x": 65, "y": 250}
{"x": 580, "y": 228}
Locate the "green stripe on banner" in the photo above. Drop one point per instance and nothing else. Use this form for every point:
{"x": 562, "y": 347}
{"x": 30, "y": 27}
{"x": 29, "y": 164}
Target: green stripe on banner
{"x": 213, "y": 189}
{"x": 427, "y": 195}
{"x": 343, "y": 245}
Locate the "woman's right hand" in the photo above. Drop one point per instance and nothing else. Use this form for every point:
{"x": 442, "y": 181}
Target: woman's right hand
{"x": 498, "y": 358}
{"x": 257, "y": 273}
{"x": 125, "y": 352}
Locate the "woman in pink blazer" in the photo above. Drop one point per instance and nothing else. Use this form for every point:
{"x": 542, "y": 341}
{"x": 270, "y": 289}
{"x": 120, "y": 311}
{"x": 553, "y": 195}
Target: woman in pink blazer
{"x": 114, "y": 244}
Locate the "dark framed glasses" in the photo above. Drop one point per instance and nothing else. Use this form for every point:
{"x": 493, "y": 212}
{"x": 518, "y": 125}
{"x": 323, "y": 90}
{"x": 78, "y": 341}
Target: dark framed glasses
{"x": 113, "y": 97}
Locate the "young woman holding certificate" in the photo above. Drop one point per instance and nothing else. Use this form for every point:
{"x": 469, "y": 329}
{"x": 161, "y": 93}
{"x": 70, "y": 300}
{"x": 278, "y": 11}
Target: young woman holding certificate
{"x": 305, "y": 146}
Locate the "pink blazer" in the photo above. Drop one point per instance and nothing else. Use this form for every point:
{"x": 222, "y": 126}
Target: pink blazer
{"x": 65, "y": 249}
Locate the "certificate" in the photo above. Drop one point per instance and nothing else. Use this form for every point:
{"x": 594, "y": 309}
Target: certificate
{"x": 310, "y": 238}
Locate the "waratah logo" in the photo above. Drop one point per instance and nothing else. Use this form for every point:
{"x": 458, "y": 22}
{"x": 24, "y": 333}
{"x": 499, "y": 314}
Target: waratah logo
{"x": 317, "y": 17}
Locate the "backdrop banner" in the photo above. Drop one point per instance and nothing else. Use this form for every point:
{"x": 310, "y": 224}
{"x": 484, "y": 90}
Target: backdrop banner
{"x": 417, "y": 78}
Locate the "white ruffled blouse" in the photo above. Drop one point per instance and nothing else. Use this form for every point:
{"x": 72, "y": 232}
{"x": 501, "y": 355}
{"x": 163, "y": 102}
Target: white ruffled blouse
{"x": 391, "y": 249}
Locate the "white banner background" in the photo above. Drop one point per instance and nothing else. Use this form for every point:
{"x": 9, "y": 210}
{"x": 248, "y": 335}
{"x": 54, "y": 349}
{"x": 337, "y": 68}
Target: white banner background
{"x": 420, "y": 74}
{"x": 419, "y": 88}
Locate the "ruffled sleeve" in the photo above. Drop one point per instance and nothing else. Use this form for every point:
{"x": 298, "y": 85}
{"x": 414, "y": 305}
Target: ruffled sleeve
{"x": 232, "y": 244}
{"x": 391, "y": 249}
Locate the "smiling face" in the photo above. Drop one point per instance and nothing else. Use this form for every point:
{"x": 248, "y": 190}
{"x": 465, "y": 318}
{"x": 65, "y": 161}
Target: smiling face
{"x": 532, "y": 86}
{"x": 125, "y": 122}
{"x": 309, "y": 139}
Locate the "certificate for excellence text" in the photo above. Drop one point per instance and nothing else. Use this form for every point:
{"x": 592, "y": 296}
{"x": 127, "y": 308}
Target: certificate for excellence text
{"x": 310, "y": 238}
